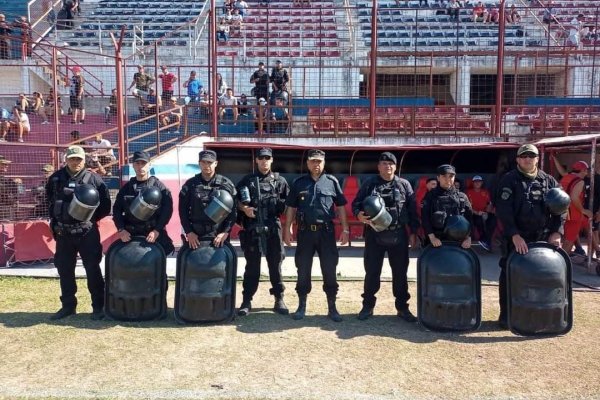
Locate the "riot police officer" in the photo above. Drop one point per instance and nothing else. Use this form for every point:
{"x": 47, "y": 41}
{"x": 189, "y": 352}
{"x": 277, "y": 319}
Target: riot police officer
{"x": 522, "y": 209}
{"x": 311, "y": 203}
{"x": 194, "y": 198}
{"x": 386, "y": 205}
{"x": 443, "y": 203}
{"x": 261, "y": 200}
{"x": 78, "y": 199}
{"x": 144, "y": 206}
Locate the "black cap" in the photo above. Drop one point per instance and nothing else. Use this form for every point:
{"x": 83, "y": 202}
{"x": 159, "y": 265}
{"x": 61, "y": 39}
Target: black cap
{"x": 446, "y": 169}
{"x": 265, "y": 151}
{"x": 316, "y": 155}
{"x": 208, "y": 155}
{"x": 278, "y": 62}
{"x": 387, "y": 156}
{"x": 141, "y": 156}
{"x": 261, "y": 63}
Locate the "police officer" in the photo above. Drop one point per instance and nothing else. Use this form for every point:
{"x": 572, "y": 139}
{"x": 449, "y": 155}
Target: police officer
{"x": 41, "y": 202}
{"x": 74, "y": 236}
{"x": 8, "y": 191}
{"x": 311, "y": 203}
{"x": 399, "y": 202}
{"x": 152, "y": 229}
{"x": 521, "y": 208}
{"x": 261, "y": 200}
{"x": 441, "y": 203}
{"x": 195, "y": 196}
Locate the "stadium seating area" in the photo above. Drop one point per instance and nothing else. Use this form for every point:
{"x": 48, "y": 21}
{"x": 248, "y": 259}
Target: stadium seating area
{"x": 543, "y": 120}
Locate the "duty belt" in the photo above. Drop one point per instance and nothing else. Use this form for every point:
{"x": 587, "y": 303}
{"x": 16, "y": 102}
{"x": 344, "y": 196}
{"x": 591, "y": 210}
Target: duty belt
{"x": 73, "y": 229}
{"x": 316, "y": 227}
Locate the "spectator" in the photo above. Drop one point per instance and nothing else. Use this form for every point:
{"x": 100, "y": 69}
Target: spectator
{"x": 279, "y": 117}
{"x": 223, "y": 30}
{"x": 513, "y": 16}
{"x": 279, "y": 76}
{"x": 549, "y": 16}
{"x": 480, "y": 199}
{"x": 111, "y": 108}
{"x": 228, "y": 6}
{"x": 228, "y": 106}
{"x": 479, "y": 11}
{"x": 236, "y": 23}
{"x": 8, "y": 191}
{"x": 174, "y": 115}
{"x": 194, "y": 87}
{"x": 242, "y": 6}
{"x": 151, "y": 104}
{"x": 277, "y": 93}
{"x": 37, "y": 107}
{"x": 260, "y": 116}
{"x": 577, "y": 31}
{"x": 23, "y": 103}
{"x": 243, "y": 106}
{"x": 102, "y": 150}
{"x": 168, "y": 79}
{"x": 68, "y": 10}
{"x": 76, "y": 138}
{"x": 51, "y": 102}
{"x": 142, "y": 82}
{"x": 5, "y": 32}
{"x": 48, "y": 8}
{"x": 39, "y": 193}
{"x": 493, "y": 16}
{"x": 260, "y": 78}
{"x": 76, "y": 98}
{"x": 221, "y": 85}
{"x": 19, "y": 123}
{"x": 26, "y": 39}
{"x": 453, "y": 8}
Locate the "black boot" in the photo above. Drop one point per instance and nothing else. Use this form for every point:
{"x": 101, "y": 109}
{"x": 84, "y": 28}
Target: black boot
{"x": 280, "y": 307}
{"x": 301, "y": 311}
{"x": 63, "y": 313}
{"x": 365, "y": 313}
{"x": 245, "y": 308}
{"x": 333, "y": 313}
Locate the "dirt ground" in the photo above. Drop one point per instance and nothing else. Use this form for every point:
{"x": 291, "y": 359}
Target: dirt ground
{"x": 268, "y": 356}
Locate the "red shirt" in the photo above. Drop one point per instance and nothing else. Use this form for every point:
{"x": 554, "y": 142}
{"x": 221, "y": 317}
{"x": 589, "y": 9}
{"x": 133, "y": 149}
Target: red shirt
{"x": 479, "y": 199}
{"x": 167, "y": 81}
{"x": 565, "y": 182}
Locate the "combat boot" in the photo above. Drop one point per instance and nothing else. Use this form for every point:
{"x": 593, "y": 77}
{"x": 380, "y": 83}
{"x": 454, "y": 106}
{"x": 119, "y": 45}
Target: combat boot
{"x": 63, "y": 313}
{"x": 245, "y": 308}
{"x": 301, "y": 311}
{"x": 280, "y": 307}
{"x": 333, "y": 313}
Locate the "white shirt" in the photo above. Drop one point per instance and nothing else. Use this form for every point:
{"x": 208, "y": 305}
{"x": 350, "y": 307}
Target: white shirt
{"x": 103, "y": 144}
{"x": 228, "y": 101}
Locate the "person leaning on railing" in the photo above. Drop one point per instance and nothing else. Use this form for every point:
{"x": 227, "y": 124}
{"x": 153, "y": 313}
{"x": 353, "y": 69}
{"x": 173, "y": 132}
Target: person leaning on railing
{"x": 5, "y": 32}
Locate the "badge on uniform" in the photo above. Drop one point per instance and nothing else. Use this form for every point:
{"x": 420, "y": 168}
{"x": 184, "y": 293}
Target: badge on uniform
{"x": 506, "y": 192}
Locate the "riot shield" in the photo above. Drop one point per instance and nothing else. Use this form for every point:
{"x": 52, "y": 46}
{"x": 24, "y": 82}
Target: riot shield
{"x": 539, "y": 291}
{"x": 449, "y": 288}
{"x": 205, "y": 284}
{"x": 136, "y": 281}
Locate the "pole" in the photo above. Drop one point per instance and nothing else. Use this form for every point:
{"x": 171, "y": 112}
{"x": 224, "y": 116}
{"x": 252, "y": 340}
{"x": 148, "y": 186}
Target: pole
{"x": 500, "y": 68}
{"x": 56, "y": 115}
{"x": 212, "y": 57}
{"x": 373, "y": 72}
{"x": 123, "y": 150}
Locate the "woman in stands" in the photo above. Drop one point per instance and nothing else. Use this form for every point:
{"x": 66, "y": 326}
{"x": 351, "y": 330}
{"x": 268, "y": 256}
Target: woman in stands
{"x": 38, "y": 108}
{"x": 221, "y": 85}
{"x": 19, "y": 123}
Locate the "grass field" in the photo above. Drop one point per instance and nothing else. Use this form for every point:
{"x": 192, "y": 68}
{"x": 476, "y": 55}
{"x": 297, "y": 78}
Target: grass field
{"x": 268, "y": 356}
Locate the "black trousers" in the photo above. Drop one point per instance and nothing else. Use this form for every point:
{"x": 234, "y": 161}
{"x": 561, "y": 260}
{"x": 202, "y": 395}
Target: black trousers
{"x": 373, "y": 261}
{"x": 323, "y": 243}
{"x": 89, "y": 248}
{"x": 275, "y": 256}
{"x": 485, "y": 228}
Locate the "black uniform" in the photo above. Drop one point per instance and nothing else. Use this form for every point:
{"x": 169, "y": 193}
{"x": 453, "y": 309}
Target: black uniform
{"x": 280, "y": 78}
{"x": 74, "y": 237}
{"x": 400, "y": 202}
{"x": 8, "y": 198}
{"x": 438, "y": 205}
{"x": 194, "y": 196}
{"x": 521, "y": 209}
{"x": 159, "y": 220}
{"x": 260, "y": 78}
{"x": 274, "y": 190}
{"x": 314, "y": 201}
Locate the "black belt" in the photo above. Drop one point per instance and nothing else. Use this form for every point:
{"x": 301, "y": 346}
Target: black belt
{"x": 315, "y": 227}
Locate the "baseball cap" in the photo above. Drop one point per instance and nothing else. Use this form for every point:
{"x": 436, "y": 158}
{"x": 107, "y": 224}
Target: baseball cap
{"x": 3, "y": 160}
{"x": 477, "y": 178}
{"x": 527, "y": 148}
{"x": 579, "y": 166}
{"x": 265, "y": 151}
{"x": 278, "y": 62}
{"x": 75, "y": 151}
{"x": 48, "y": 168}
{"x": 262, "y": 101}
{"x": 316, "y": 155}
{"x": 446, "y": 169}
{"x": 76, "y": 69}
{"x": 141, "y": 156}
{"x": 261, "y": 63}
{"x": 208, "y": 155}
{"x": 387, "y": 156}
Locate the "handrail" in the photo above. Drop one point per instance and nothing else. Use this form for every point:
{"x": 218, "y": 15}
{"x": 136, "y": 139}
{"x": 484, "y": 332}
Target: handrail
{"x": 351, "y": 29}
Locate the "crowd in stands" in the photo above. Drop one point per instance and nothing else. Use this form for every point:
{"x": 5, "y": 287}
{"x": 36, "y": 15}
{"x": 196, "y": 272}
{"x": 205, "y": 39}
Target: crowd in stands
{"x": 232, "y": 19}
{"x": 15, "y": 38}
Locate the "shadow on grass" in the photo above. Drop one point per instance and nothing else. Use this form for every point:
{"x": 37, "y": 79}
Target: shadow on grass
{"x": 379, "y": 325}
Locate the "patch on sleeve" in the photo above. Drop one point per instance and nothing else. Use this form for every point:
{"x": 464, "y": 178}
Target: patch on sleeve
{"x": 506, "y": 193}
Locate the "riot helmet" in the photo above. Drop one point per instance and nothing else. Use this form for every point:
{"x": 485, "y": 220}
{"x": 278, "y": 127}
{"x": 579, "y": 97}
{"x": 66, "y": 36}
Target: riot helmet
{"x": 220, "y": 206}
{"x": 146, "y": 203}
{"x": 457, "y": 228}
{"x": 85, "y": 201}
{"x": 374, "y": 208}
{"x": 557, "y": 201}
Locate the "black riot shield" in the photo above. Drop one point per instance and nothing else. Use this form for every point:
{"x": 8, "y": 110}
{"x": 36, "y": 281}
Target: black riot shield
{"x": 136, "y": 281}
{"x": 205, "y": 284}
{"x": 540, "y": 292}
{"x": 449, "y": 288}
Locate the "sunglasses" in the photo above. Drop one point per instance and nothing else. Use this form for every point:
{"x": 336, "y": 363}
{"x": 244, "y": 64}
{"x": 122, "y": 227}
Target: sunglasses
{"x": 264, "y": 157}
{"x": 528, "y": 155}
